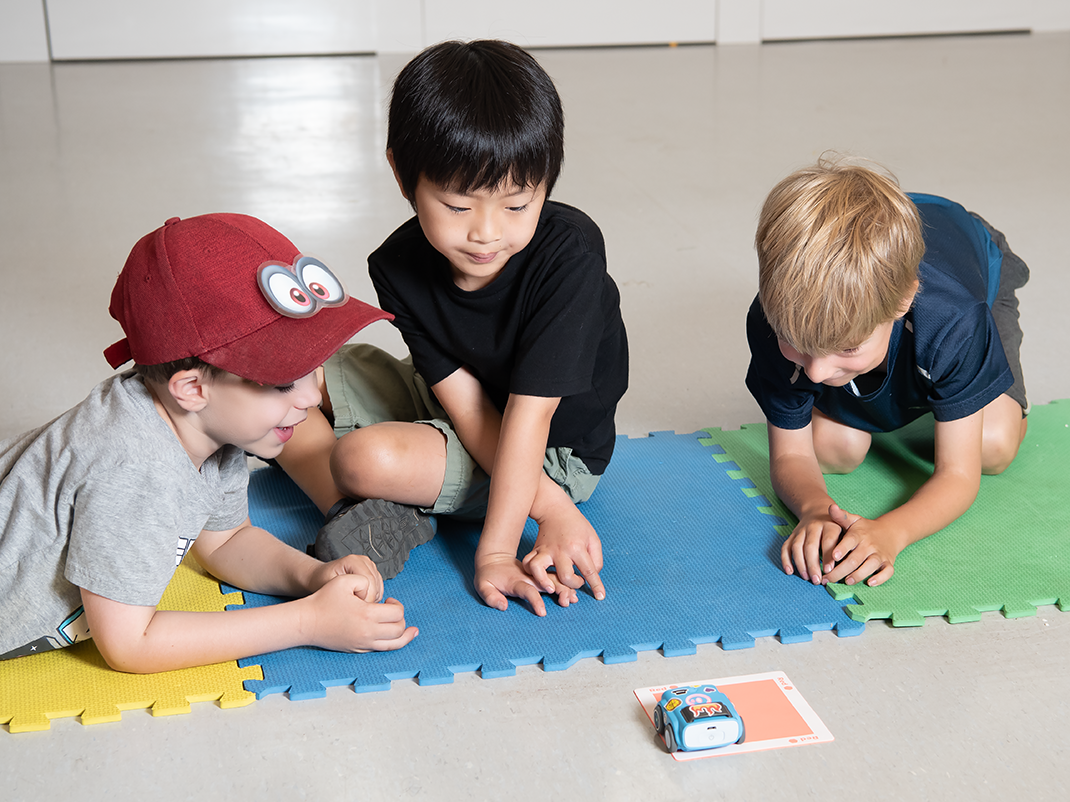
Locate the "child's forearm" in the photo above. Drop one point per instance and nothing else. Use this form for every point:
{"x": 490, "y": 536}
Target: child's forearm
{"x": 144, "y": 639}
{"x": 942, "y": 499}
{"x": 952, "y": 488}
{"x": 550, "y": 498}
{"x": 517, "y": 473}
{"x": 475, "y": 419}
{"x": 515, "y": 467}
{"x": 798, "y": 482}
{"x": 165, "y": 640}
{"x": 253, "y": 559}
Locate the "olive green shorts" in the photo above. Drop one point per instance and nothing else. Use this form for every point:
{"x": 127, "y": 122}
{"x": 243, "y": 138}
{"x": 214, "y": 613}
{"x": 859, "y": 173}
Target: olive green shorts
{"x": 366, "y": 385}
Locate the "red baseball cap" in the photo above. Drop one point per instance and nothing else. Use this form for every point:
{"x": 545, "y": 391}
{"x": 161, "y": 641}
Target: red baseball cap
{"x": 193, "y": 287}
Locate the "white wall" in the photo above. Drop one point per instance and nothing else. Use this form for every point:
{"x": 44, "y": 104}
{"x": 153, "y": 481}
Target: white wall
{"x": 101, "y": 29}
{"x": 22, "y": 31}
{"x": 81, "y": 29}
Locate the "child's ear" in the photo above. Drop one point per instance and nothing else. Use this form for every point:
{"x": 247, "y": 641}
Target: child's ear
{"x": 394, "y": 169}
{"x": 908, "y": 299}
{"x": 188, "y": 387}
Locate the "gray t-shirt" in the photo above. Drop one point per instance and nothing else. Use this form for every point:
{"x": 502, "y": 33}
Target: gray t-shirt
{"x": 103, "y": 498}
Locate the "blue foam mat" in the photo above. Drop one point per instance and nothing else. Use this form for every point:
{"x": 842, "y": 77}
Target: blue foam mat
{"x": 690, "y": 558}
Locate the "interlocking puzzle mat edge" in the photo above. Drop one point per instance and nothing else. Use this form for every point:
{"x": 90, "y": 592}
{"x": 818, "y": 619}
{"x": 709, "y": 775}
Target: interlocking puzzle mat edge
{"x": 735, "y": 596}
{"x": 1010, "y": 552}
{"x": 76, "y": 681}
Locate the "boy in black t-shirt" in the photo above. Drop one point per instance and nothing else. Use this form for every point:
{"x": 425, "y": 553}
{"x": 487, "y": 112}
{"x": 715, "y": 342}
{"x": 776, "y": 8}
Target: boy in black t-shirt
{"x": 519, "y": 354}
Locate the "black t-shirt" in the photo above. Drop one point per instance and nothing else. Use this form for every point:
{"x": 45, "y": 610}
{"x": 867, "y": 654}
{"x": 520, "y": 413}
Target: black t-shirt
{"x": 549, "y": 324}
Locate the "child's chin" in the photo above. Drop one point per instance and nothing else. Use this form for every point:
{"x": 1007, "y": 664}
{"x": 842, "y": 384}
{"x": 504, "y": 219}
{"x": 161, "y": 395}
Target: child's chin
{"x": 264, "y": 452}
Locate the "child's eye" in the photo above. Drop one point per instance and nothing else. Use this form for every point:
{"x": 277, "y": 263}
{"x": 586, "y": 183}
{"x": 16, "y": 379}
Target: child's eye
{"x": 456, "y": 209}
{"x": 517, "y": 208}
{"x": 854, "y": 350}
{"x": 286, "y": 388}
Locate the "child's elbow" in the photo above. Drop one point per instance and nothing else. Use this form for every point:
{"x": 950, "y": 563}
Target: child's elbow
{"x": 125, "y": 657}
{"x": 118, "y": 661}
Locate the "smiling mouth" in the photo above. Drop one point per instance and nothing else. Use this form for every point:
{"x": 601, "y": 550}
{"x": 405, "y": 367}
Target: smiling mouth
{"x": 284, "y": 432}
{"x": 482, "y": 258}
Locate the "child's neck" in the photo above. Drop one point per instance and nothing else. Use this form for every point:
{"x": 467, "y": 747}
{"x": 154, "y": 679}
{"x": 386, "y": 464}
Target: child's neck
{"x": 197, "y": 445}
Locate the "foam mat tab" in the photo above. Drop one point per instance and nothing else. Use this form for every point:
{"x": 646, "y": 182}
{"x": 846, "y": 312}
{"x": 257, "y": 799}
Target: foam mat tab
{"x": 688, "y": 560}
{"x": 1009, "y": 552}
{"x": 77, "y": 682}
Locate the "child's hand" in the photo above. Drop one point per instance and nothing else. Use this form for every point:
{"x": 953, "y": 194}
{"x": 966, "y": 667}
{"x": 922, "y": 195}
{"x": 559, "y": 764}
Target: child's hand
{"x": 850, "y": 547}
{"x": 502, "y": 575}
{"x": 866, "y": 549}
{"x": 342, "y": 621}
{"x": 805, "y": 545}
{"x": 566, "y": 539}
{"x": 351, "y": 564}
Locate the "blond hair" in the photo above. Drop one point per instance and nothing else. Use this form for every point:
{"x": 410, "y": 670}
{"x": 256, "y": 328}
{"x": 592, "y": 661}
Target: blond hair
{"x": 839, "y": 246}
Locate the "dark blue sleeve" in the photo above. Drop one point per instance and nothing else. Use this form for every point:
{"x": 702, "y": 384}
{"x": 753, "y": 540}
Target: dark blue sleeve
{"x": 780, "y": 387}
{"x": 968, "y": 367}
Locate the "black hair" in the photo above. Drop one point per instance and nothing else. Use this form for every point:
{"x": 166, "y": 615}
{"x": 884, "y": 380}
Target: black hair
{"x": 474, "y": 115}
{"x": 162, "y": 373}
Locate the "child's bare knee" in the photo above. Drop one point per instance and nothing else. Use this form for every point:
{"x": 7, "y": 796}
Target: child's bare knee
{"x": 843, "y": 452}
{"x": 363, "y": 460}
{"x": 997, "y": 453}
{"x": 1004, "y": 430}
{"x": 840, "y": 463}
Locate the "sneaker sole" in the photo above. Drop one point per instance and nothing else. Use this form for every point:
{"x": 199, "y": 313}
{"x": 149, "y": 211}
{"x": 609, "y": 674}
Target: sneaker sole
{"x": 384, "y": 531}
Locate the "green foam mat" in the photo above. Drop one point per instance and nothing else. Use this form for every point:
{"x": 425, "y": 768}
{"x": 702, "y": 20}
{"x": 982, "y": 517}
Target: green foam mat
{"x": 1010, "y": 551}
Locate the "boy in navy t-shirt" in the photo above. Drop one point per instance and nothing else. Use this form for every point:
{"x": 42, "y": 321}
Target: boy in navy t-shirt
{"x": 874, "y": 308}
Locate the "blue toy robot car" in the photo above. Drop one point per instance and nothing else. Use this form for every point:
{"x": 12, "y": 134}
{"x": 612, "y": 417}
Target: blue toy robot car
{"x": 697, "y": 717}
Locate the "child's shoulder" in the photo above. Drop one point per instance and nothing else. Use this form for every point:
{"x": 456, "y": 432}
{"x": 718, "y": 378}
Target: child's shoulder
{"x": 561, "y": 222}
{"x": 556, "y": 212}
{"x": 116, "y": 422}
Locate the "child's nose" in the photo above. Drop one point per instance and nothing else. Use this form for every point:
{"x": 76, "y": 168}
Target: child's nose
{"x": 307, "y": 393}
{"x": 486, "y": 228}
{"x": 819, "y": 368}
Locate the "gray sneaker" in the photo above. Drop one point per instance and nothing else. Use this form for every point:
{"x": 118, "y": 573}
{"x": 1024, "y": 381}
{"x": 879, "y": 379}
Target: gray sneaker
{"x": 382, "y": 530}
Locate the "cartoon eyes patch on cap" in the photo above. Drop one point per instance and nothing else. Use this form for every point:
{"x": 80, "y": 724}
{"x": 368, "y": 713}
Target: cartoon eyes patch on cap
{"x": 301, "y": 289}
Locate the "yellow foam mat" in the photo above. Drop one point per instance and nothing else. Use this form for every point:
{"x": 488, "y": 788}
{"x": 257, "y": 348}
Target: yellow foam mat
{"x": 77, "y": 682}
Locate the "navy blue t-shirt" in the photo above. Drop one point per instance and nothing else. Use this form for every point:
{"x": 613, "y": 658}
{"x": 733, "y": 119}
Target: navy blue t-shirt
{"x": 944, "y": 355}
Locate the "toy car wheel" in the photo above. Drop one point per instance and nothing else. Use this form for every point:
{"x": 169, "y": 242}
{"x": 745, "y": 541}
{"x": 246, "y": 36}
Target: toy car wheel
{"x": 670, "y": 739}
{"x": 659, "y": 720}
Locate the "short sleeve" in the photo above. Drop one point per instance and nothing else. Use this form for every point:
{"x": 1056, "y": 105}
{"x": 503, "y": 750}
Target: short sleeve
{"x": 558, "y": 343}
{"x": 123, "y": 535}
{"x": 781, "y": 388}
{"x": 969, "y": 368}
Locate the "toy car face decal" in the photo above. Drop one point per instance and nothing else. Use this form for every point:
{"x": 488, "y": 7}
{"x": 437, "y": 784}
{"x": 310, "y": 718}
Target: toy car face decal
{"x": 707, "y": 710}
{"x": 672, "y": 704}
{"x": 300, "y": 290}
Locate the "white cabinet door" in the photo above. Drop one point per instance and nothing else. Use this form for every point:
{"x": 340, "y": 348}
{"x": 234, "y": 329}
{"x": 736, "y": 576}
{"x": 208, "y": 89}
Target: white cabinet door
{"x": 555, "y": 23}
{"x": 97, "y": 29}
{"x": 101, "y": 29}
{"x": 814, "y": 19}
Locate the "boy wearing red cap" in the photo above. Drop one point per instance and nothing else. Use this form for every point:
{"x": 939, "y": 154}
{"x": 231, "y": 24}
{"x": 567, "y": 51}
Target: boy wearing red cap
{"x": 227, "y": 324}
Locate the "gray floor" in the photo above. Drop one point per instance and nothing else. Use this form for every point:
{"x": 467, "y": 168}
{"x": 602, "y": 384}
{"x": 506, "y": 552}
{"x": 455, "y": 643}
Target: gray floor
{"x": 671, "y": 151}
